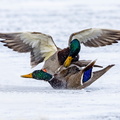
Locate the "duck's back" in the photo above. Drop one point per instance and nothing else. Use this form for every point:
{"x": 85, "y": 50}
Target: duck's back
{"x": 52, "y": 64}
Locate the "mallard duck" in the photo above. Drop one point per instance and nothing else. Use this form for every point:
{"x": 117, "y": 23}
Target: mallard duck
{"x": 43, "y": 48}
{"x": 72, "y": 77}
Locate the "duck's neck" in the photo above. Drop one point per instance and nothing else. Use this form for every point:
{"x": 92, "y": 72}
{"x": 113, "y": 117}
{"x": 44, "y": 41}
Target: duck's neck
{"x": 63, "y": 54}
{"x": 54, "y": 82}
{"x": 57, "y": 84}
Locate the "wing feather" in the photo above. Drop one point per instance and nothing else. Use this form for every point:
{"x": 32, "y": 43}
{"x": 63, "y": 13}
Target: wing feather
{"x": 95, "y": 37}
{"x": 41, "y": 46}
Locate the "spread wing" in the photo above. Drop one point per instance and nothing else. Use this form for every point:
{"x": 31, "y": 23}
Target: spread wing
{"x": 41, "y": 46}
{"x": 95, "y": 37}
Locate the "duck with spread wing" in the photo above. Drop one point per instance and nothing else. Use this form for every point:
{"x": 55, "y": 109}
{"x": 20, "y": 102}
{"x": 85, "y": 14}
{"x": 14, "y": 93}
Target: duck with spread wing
{"x": 43, "y": 48}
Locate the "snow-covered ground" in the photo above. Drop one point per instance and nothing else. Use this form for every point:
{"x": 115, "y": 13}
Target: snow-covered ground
{"x": 23, "y": 99}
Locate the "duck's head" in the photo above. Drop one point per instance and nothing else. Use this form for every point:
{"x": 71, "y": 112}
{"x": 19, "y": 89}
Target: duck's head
{"x": 74, "y": 50}
{"x": 39, "y": 75}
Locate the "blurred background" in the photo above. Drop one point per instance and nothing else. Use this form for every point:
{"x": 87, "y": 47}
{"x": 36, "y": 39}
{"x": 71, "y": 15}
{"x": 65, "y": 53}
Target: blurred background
{"x": 33, "y": 100}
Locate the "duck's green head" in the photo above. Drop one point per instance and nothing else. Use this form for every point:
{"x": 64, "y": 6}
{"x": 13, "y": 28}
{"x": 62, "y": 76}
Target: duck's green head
{"x": 39, "y": 75}
{"x": 74, "y": 47}
{"x": 74, "y": 50}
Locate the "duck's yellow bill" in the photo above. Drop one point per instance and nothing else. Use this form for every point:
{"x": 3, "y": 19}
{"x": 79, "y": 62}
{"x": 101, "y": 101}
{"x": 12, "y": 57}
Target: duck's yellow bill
{"x": 27, "y": 76}
{"x": 68, "y": 61}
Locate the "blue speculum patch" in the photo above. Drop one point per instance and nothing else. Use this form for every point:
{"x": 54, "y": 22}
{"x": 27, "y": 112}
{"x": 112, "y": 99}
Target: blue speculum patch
{"x": 87, "y": 75}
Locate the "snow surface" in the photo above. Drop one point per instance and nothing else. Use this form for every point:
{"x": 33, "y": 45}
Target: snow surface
{"x": 23, "y": 99}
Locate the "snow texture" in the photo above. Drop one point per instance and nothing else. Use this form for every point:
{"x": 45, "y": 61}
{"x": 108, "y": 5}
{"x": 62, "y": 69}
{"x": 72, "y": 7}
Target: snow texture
{"x": 23, "y": 99}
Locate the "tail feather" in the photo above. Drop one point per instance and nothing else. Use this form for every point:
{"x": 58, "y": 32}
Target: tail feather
{"x": 95, "y": 76}
{"x": 98, "y": 74}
